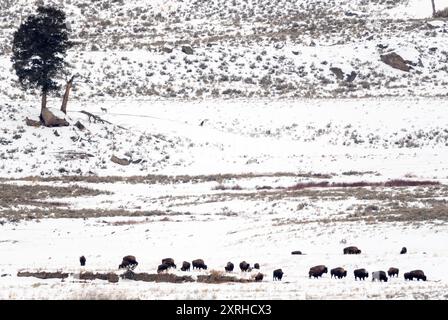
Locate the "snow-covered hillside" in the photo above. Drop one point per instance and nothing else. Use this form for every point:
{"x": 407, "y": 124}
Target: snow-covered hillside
{"x": 252, "y": 48}
{"x": 391, "y": 136}
{"x": 229, "y": 131}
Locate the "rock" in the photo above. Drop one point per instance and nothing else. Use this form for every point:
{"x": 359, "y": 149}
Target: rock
{"x": 395, "y": 61}
{"x": 351, "y": 76}
{"x": 50, "y": 120}
{"x": 32, "y": 123}
{"x": 56, "y": 133}
{"x": 187, "y": 49}
{"x": 338, "y": 72}
{"x": 123, "y": 162}
{"x": 80, "y": 126}
{"x": 167, "y": 49}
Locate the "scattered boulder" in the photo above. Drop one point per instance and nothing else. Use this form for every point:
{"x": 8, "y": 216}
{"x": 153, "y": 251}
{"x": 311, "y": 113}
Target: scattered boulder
{"x": 351, "y": 76}
{"x": 338, "y": 73}
{"x": 403, "y": 250}
{"x": 187, "y": 49}
{"x": 80, "y": 126}
{"x": 395, "y": 61}
{"x": 123, "y": 162}
{"x": 32, "y": 123}
{"x": 167, "y": 49}
{"x": 50, "y": 120}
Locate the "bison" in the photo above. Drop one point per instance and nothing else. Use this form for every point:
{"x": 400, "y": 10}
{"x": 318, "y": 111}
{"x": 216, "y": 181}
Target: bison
{"x": 199, "y": 264}
{"x": 317, "y": 271}
{"x": 229, "y": 267}
{"x": 392, "y": 272}
{"x": 185, "y": 266}
{"x": 352, "y": 250}
{"x": 361, "y": 274}
{"x": 163, "y": 267}
{"x": 82, "y": 260}
{"x": 403, "y": 250}
{"x": 277, "y": 274}
{"x": 259, "y": 277}
{"x": 338, "y": 272}
{"x": 244, "y": 266}
{"x": 257, "y": 266}
{"x": 296, "y": 252}
{"x": 417, "y": 274}
{"x": 129, "y": 262}
{"x": 169, "y": 262}
{"x": 379, "y": 275}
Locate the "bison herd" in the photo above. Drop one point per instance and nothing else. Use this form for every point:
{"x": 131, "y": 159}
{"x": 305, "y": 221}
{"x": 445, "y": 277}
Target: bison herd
{"x": 130, "y": 263}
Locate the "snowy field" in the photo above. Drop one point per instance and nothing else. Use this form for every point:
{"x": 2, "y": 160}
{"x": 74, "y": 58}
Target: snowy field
{"x": 229, "y": 131}
{"x": 235, "y": 199}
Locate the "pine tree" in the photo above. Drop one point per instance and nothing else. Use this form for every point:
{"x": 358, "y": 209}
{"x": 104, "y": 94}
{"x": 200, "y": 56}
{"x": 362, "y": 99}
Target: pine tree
{"x": 39, "y": 49}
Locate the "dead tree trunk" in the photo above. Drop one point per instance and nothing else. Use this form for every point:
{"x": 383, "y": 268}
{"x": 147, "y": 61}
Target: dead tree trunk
{"x": 66, "y": 94}
{"x": 44, "y": 101}
{"x": 43, "y": 105}
{"x": 433, "y": 8}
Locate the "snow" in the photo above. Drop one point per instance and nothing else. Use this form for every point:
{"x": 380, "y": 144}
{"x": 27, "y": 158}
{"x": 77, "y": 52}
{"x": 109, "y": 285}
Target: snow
{"x": 273, "y": 115}
{"x": 57, "y": 244}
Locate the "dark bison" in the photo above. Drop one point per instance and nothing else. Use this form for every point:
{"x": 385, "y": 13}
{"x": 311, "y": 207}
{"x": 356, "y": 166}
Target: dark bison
{"x": 278, "y": 274}
{"x": 317, "y": 271}
{"x": 169, "y": 262}
{"x": 379, "y": 275}
{"x": 259, "y": 277}
{"x": 403, "y": 250}
{"x": 257, "y": 266}
{"x": 229, "y": 267}
{"x": 417, "y": 274}
{"x": 392, "y": 272}
{"x": 361, "y": 274}
{"x": 338, "y": 272}
{"x": 129, "y": 262}
{"x": 163, "y": 267}
{"x": 199, "y": 264}
{"x": 185, "y": 266}
{"x": 244, "y": 266}
{"x": 82, "y": 260}
{"x": 352, "y": 250}
{"x": 296, "y": 252}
